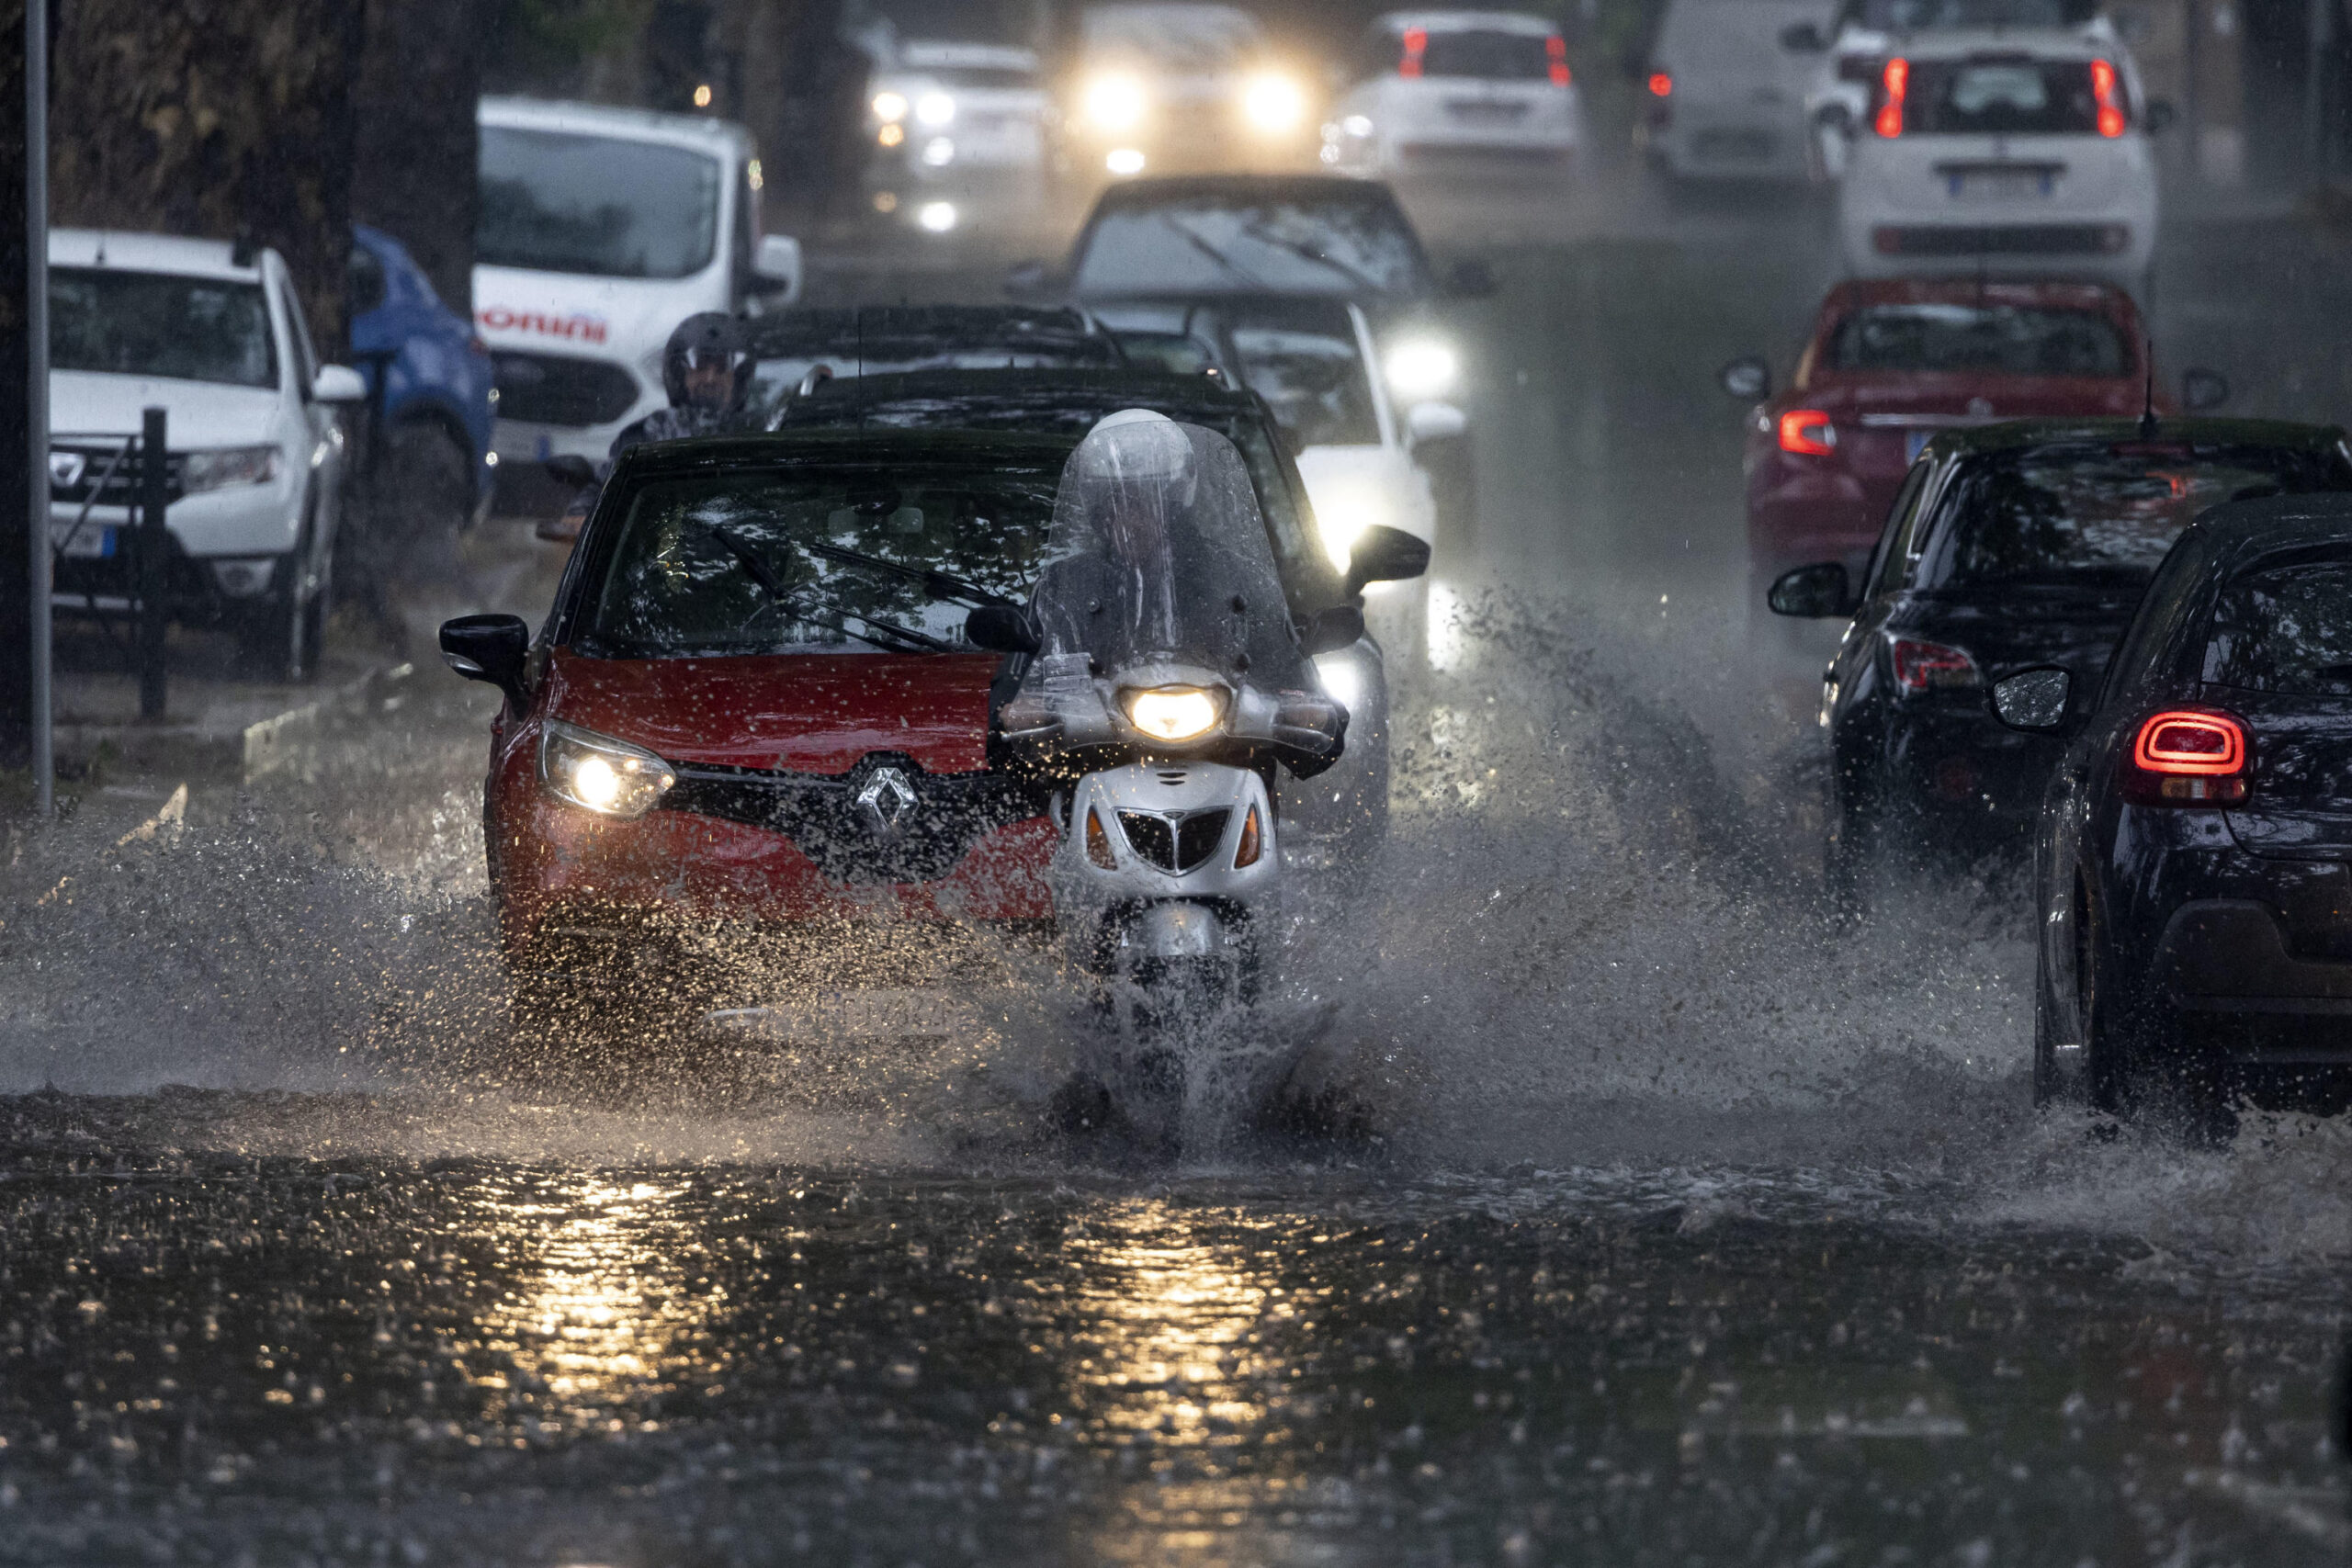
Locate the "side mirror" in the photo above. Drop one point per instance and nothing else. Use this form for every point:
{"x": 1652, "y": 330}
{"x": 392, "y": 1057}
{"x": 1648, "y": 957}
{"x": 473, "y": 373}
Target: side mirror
{"x": 1748, "y": 379}
{"x": 1383, "y": 554}
{"x": 1339, "y": 627}
{"x": 1835, "y": 117}
{"x": 338, "y": 384}
{"x": 1435, "y": 421}
{"x": 1000, "y": 629}
{"x": 1803, "y": 38}
{"x": 490, "y": 649}
{"x": 1472, "y": 279}
{"x": 1028, "y": 279}
{"x": 2033, "y": 700}
{"x": 571, "y": 470}
{"x": 2158, "y": 117}
{"x": 2202, "y": 389}
{"x": 776, "y": 264}
{"x": 1813, "y": 593}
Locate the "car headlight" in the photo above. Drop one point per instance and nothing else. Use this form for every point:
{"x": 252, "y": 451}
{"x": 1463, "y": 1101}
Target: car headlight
{"x": 935, "y": 109}
{"x": 1344, "y": 513}
{"x": 1114, "y": 102}
{"x": 890, "y": 108}
{"x": 1173, "y": 713}
{"x": 1274, "y": 103}
{"x": 227, "y": 465}
{"x": 609, "y": 777}
{"x": 1421, "y": 368}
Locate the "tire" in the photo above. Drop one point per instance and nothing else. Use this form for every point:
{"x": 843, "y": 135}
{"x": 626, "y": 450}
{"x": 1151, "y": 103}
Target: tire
{"x": 281, "y": 637}
{"x": 2140, "y": 1062}
{"x": 1854, "y": 849}
{"x": 419, "y": 500}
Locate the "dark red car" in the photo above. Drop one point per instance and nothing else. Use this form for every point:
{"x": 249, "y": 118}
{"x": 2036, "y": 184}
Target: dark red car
{"x": 1893, "y": 362}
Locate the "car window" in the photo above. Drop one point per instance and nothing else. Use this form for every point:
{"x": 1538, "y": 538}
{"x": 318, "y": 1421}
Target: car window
{"x": 2285, "y": 629}
{"x": 2070, "y": 511}
{"x": 1309, "y": 368}
{"x": 764, "y": 562}
{"x": 2007, "y": 97}
{"x": 1189, "y": 38}
{"x": 1180, "y": 354}
{"x": 1921, "y": 16}
{"x": 1487, "y": 55}
{"x": 365, "y": 280}
{"x": 1348, "y": 242}
{"x": 598, "y": 206}
{"x": 138, "y": 323}
{"x": 1891, "y": 563}
{"x": 1994, "y": 339}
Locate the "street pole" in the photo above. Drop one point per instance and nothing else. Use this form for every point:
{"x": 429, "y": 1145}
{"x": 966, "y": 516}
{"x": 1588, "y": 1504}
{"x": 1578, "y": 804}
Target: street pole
{"x": 44, "y": 757}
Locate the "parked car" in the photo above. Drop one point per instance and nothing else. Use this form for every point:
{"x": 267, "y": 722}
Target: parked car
{"x": 2193, "y": 873}
{"x": 428, "y": 379}
{"x": 1162, "y": 87}
{"x": 956, "y": 133}
{"x": 214, "y": 334}
{"x": 600, "y": 229}
{"x": 1724, "y": 96}
{"x": 2003, "y": 152}
{"x": 1890, "y": 363}
{"x": 1432, "y": 92}
{"x": 2013, "y": 546}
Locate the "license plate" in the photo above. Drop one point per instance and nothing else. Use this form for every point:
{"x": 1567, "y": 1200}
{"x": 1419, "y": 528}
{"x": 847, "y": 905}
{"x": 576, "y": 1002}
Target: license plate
{"x": 852, "y": 1015}
{"x": 1484, "y": 113}
{"x": 2001, "y": 184}
{"x": 92, "y": 541}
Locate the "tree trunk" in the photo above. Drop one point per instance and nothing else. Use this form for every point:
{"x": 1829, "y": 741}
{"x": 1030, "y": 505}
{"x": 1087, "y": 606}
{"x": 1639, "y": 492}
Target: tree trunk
{"x": 416, "y": 146}
{"x": 16, "y": 519}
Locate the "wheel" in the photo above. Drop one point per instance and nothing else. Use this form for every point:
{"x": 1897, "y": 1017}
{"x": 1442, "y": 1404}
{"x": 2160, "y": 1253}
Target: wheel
{"x": 1854, "y": 847}
{"x": 2140, "y": 1059}
{"x": 421, "y": 499}
{"x": 281, "y": 637}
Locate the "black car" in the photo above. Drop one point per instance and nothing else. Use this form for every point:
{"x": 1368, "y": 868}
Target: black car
{"x": 2194, "y": 864}
{"x": 2009, "y": 546}
{"x": 1349, "y": 805}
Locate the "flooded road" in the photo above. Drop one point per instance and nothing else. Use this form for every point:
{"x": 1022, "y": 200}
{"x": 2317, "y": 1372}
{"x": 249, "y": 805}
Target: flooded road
{"x": 1664, "y": 1220}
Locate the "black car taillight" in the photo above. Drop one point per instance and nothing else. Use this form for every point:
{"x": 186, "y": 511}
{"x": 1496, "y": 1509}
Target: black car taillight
{"x": 1922, "y": 666}
{"x": 2189, "y": 757}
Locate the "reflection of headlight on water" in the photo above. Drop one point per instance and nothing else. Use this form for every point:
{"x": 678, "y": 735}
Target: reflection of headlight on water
{"x": 1274, "y": 104}
{"x": 938, "y": 152}
{"x": 1342, "y": 678}
{"x": 1342, "y": 515}
{"x": 1124, "y": 160}
{"x": 937, "y": 216}
{"x": 1444, "y": 638}
{"x": 1423, "y": 367}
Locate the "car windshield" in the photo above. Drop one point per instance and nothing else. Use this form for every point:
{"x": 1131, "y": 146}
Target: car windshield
{"x": 1350, "y": 242}
{"x": 1487, "y": 55}
{"x": 1304, "y": 359}
{"x": 2007, "y": 97}
{"x": 599, "y": 206}
{"x": 1997, "y": 339}
{"x": 1920, "y": 15}
{"x": 145, "y": 323}
{"x": 1195, "y": 39}
{"x": 2285, "y": 629}
{"x": 868, "y": 557}
{"x": 2112, "y": 509}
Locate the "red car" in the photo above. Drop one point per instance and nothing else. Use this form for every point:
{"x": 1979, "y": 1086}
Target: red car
{"x": 1893, "y": 362}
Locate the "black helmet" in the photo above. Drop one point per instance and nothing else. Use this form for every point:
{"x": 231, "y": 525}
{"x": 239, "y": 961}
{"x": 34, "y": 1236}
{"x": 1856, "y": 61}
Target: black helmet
{"x": 714, "y": 333}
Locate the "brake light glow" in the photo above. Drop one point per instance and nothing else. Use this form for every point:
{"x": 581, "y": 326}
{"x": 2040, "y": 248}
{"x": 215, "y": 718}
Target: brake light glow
{"x": 2188, "y": 757}
{"x": 1661, "y": 84}
{"x": 2111, "y": 105}
{"x": 1557, "y": 48}
{"x": 1896, "y": 80}
{"x": 1930, "y": 667}
{"x": 1417, "y": 43}
{"x": 1253, "y": 842}
{"x": 1808, "y": 432}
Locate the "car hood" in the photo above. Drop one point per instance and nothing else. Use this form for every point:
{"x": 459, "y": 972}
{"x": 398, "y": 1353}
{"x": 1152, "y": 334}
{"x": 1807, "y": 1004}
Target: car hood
{"x": 608, "y": 318}
{"x": 2009, "y": 627}
{"x": 793, "y": 713}
{"x": 1945, "y": 399}
{"x": 197, "y": 413}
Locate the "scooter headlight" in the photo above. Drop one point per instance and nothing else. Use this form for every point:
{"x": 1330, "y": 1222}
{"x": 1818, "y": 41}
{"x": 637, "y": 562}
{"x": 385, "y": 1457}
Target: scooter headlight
{"x": 609, "y": 777}
{"x": 1173, "y": 713}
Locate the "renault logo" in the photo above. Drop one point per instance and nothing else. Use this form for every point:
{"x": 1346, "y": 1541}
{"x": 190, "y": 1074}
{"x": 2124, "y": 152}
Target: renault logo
{"x": 886, "y": 802}
{"x": 65, "y": 468}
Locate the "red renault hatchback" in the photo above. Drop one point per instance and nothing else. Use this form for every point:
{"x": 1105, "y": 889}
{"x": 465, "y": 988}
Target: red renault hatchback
{"x": 1890, "y": 362}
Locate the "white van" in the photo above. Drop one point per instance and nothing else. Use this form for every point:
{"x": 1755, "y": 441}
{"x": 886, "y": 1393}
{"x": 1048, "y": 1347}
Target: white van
{"x": 600, "y": 229}
{"x": 1724, "y": 97}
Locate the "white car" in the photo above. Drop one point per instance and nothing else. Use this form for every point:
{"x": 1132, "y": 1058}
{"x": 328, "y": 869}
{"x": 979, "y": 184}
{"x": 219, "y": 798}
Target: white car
{"x": 600, "y": 229}
{"x": 213, "y": 335}
{"x": 1437, "y": 90}
{"x": 1988, "y": 151}
{"x": 958, "y": 135}
{"x": 1724, "y": 97}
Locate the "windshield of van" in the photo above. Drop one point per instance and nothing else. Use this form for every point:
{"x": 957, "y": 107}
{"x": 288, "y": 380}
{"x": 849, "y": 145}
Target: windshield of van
{"x": 1193, "y": 40}
{"x": 597, "y": 206}
{"x": 1349, "y": 243}
{"x": 2071, "y": 512}
{"x": 2287, "y": 629}
{"x": 141, "y": 323}
{"x": 849, "y": 558}
{"x": 2000, "y": 339}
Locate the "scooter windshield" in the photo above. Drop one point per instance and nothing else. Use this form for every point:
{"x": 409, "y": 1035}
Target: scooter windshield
{"x": 1158, "y": 557}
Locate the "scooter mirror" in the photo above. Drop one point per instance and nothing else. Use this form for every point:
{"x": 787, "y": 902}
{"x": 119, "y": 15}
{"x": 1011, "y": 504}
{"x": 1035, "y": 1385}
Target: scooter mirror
{"x": 1383, "y": 554}
{"x": 1339, "y": 627}
{"x": 1000, "y": 629}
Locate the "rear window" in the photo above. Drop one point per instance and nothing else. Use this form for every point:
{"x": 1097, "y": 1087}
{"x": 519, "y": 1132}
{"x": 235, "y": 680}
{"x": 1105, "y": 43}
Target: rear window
{"x": 1487, "y": 56}
{"x": 1919, "y": 16}
{"x": 2055, "y": 514}
{"x": 839, "y": 560}
{"x": 2285, "y": 629}
{"x": 1992, "y": 339}
{"x": 2003, "y": 97}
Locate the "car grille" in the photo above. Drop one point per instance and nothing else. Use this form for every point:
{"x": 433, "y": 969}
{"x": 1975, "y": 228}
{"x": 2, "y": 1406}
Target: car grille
{"x": 2015, "y": 239}
{"x": 122, "y": 487}
{"x": 554, "y": 389}
{"x": 818, "y": 812}
{"x": 1178, "y": 844}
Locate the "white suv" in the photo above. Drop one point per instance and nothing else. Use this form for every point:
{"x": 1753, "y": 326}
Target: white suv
{"x": 213, "y": 335}
{"x": 1992, "y": 151}
{"x": 1432, "y": 90}
{"x": 600, "y": 229}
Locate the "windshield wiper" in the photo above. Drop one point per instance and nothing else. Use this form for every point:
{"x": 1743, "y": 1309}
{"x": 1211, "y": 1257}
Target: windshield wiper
{"x": 1227, "y": 262}
{"x": 945, "y": 584}
{"x": 896, "y": 638}
{"x": 1305, "y": 251}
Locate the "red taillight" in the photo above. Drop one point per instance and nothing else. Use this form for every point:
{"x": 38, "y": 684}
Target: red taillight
{"x": 1930, "y": 666}
{"x": 2110, "y": 103}
{"x": 1557, "y": 48}
{"x": 1896, "y": 81}
{"x": 1661, "y": 84}
{"x": 1098, "y": 843}
{"x": 2186, "y": 758}
{"x": 1808, "y": 432}
{"x": 1417, "y": 43}
{"x": 1253, "y": 842}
